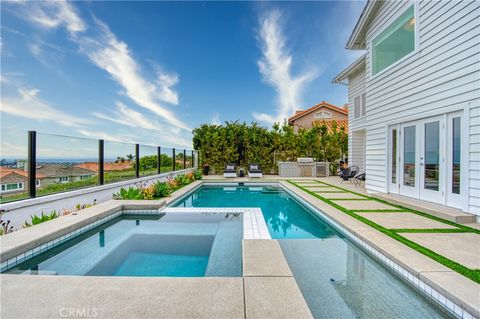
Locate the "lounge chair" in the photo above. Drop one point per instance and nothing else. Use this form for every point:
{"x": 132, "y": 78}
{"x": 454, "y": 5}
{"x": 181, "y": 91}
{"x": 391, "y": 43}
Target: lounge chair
{"x": 254, "y": 170}
{"x": 230, "y": 170}
{"x": 351, "y": 172}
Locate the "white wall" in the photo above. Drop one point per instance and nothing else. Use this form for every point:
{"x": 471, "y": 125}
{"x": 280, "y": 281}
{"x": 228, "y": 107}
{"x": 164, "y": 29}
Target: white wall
{"x": 443, "y": 75}
{"x": 356, "y": 135}
{"x": 17, "y": 212}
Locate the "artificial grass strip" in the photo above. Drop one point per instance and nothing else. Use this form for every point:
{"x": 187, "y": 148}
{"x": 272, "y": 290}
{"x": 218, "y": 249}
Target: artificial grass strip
{"x": 459, "y": 268}
{"x": 379, "y": 211}
{"x": 430, "y": 230}
{"x": 326, "y": 192}
{"x": 343, "y": 198}
{"x": 406, "y": 209}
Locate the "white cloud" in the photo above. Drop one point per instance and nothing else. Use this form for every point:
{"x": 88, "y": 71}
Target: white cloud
{"x": 129, "y": 117}
{"x": 104, "y": 136}
{"x": 276, "y": 69}
{"x": 114, "y": 56}
{"x": 29, "y": 105}
{"x": 53, "y": 14}
{"x": 216, "y": 119}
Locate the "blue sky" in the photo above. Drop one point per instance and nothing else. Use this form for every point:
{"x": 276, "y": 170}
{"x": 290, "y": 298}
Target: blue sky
{"x": 150, "y": 72}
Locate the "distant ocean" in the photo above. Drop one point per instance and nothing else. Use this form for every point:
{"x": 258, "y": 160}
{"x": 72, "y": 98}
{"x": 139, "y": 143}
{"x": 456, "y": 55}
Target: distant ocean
{"x": 61, "y": 160}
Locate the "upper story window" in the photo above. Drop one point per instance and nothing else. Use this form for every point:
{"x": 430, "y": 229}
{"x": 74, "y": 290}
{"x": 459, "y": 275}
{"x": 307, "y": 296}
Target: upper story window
{"x": 323, "y": 115}
{"x": 359, "y": 106}
{"x": 395, "y": 42}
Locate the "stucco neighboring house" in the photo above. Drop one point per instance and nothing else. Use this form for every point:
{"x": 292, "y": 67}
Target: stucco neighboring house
{"x": 323, "y": 112}
{"x": 14, "y": 180}
{"x": 414, "y": 100}
{"x": 62, "y": 173}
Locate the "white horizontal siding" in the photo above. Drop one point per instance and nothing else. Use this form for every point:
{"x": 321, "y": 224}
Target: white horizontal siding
{"x": 356, "y": 146}
{"x": 443, "y": 74}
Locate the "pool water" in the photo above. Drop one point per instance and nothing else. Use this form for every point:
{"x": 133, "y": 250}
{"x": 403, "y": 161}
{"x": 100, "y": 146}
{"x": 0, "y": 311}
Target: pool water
{"x": 173, "y": 244}
{"x": 336, "y": 278}
{"x": 285, "y": 217}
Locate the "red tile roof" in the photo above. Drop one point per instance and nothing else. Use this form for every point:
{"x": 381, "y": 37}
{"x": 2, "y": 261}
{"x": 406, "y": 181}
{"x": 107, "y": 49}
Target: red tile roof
{"x": 93, "y": 166}
{"x": 341, "y": 124}
{"x": 316, "y": 107}
{"x": 5, "y": 171}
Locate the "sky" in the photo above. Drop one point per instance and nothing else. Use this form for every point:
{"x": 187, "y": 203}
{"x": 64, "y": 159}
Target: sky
{"x": 150, "y": 72}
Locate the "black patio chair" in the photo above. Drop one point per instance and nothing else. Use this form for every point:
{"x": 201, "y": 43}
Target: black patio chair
{"x": 360, "y": 178}
{"x": 351, "y": 172}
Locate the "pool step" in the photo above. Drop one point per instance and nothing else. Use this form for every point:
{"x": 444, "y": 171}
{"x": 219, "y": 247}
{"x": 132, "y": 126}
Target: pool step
{"x": 226, "y": 254}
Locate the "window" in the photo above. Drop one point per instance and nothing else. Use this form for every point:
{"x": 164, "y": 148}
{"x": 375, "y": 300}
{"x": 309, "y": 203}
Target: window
{"x": 63, "y": 179}
{"x": 364, "y": 104}
{"x": 82, "y": 177}
{"x": 356, "y": 107}
{"x": 37, "y": 182}
{"x": 456, "y": 155}
{"x": 12, "y": 186}
{"x": 323, "y": 115}
{"x": 394, "y": 156}
{"x": 395, "y": 42}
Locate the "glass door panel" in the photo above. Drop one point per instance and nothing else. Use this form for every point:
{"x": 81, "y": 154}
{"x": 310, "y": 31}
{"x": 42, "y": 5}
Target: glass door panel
{"x": 455, "y": 175}
{"x": 432, "y": 156}
{"x": 409, "y": 156}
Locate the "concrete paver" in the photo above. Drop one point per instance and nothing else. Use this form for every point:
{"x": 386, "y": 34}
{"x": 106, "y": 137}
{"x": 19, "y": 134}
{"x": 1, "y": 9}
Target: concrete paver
{"x": 340, "y": 195}
{"x": 120, "y": 297}
{"x": 267, "y": 297}
{"x": 463, "y": 248}
{"x": 262, "y": 257}
{"x": 404, "y": 220}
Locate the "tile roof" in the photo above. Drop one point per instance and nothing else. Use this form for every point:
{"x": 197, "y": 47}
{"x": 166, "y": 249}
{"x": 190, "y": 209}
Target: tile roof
{"x": 299, "y": 114}
{"x": 55, "y": 170}
{"x": 340, "y": 124}
{"x": 5, "y": 171}
{"x": 93, "y": 166}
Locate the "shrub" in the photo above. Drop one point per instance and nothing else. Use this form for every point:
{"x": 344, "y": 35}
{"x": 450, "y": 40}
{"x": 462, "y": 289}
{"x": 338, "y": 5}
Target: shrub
{"x": 5, "y": 227}
{"x": 130, "y": 193}
{"x": 198, "y": 174}
{"x": 35, "y": 220}
{"x": 161, "y": 189}
{"x": 182, "y": 180}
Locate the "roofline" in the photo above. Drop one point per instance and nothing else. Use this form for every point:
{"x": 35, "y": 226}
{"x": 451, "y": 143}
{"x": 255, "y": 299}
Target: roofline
{"x": 312, "y": 108}
{"x": 350, "y": 69}
{"x": 354, "y": 42}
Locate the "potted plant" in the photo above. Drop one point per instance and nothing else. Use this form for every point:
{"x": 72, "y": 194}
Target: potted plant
{"x": 206, "y": 169}
{"x": 241, "y": 172}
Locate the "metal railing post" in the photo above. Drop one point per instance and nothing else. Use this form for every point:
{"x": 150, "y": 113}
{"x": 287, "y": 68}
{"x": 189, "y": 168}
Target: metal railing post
{"x": 193, "y": 159}
{"x": 173, "y": 156}
{"x": 159, "y": 160}
{"x": 137, "y": 160}
{"x": 101, "y": 163}
{"x": 32, "y": 163}
{"x": 184, "y": 158}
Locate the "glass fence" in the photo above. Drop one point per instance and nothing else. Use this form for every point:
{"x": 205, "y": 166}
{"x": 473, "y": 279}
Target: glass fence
{"x": 64, "y": 163}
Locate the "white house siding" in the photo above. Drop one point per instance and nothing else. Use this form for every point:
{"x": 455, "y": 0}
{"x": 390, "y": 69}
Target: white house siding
{"x": 356, "y": 145}
{"x": 444, "y": 74}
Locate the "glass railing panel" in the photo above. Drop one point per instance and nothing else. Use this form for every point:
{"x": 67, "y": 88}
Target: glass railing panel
{"x": 13, "y": 165}
{"x": 65, "y": 163}
{"x": 167, "y": 159}
{"x": 119, "y": 161}
{"x": 148, "y": 160}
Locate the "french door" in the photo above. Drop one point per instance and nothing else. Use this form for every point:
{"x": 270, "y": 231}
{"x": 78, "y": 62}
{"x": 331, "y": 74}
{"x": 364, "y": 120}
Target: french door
{"x": 425, "y": 157}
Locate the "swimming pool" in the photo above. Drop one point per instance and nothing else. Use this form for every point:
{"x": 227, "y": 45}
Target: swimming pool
{"x": 336, "y": 277}
{"x": 285, "y": 216}
{"x": 172, "y": 245}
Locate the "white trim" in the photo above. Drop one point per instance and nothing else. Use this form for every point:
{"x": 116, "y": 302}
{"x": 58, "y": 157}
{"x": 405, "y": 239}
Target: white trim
{"x": 425, "y": 115}
{"x": 416, "y": 16}
{"x": 230, "y": 175}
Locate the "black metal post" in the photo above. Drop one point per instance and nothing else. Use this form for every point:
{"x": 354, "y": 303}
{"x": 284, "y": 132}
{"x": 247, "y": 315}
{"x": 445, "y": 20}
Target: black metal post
{"x": 193, "y": 159}
{"x": 173, "y": 159}
{"x": 184, "y": 159}
{"x": 101, "y": 159}
{"x": 32, "y": 163}
{"x": 137, "y": 160}
{"x": 159, "y": 160}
